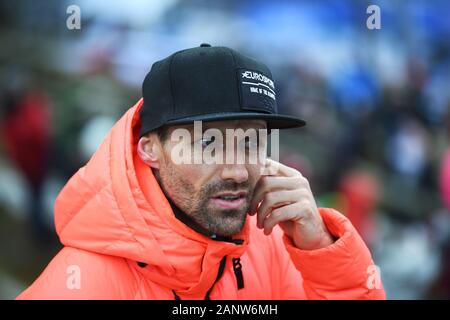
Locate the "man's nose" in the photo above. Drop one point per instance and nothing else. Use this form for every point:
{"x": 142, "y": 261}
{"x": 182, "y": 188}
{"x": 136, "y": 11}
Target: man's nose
{"x": 235, "y": 172}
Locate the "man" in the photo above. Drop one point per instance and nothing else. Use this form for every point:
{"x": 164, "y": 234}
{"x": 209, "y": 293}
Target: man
{"x": 138, "y": 223}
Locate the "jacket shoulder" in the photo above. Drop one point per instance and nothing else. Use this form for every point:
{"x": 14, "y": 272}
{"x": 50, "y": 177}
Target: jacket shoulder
{"x": 80, "y": 274}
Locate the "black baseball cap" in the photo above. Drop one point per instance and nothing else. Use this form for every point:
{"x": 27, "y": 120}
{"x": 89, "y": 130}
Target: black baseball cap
{"x": 210, "y": 83}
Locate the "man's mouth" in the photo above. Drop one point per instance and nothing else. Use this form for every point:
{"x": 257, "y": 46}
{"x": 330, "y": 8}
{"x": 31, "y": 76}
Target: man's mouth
{"x": 230, "y": 200}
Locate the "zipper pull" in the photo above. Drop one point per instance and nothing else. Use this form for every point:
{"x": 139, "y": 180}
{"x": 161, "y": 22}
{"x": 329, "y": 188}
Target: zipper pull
{"x": 237, "y": 268}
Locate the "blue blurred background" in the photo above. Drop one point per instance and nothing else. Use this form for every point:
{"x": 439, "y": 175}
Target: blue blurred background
{"x": 377, "y": 103}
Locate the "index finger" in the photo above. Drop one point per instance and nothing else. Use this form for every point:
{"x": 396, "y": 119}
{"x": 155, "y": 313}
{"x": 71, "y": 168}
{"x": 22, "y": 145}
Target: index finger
{"x": 275, "y": 168}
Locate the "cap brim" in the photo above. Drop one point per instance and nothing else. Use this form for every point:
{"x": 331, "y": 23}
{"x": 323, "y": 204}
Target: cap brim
{"x": 274, "y": 121}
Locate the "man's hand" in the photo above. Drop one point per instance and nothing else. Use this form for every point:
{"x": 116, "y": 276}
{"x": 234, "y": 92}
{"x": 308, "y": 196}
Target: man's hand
{"x": 286, "y": 198}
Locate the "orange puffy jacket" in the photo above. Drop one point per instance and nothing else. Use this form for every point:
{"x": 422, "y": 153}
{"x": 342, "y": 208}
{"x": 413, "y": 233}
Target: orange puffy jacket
{"x": 122, "y": 241}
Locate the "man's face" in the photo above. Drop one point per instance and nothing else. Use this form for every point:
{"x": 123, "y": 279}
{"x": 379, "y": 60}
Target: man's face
{"x": 216, "y": 196}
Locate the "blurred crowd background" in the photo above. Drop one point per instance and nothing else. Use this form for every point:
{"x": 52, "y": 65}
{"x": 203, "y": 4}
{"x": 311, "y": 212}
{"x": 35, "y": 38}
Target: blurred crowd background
{"x": 377, "y": 103}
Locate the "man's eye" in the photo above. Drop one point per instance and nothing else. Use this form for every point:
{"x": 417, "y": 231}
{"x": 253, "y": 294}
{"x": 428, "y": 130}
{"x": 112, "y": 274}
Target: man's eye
{"x": 206, "y": 141}
{"x": 251, "y": 143}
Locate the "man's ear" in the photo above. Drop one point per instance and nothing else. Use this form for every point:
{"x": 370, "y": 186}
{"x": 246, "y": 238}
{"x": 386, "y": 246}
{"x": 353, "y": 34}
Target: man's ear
{"x": 149, "y": 150}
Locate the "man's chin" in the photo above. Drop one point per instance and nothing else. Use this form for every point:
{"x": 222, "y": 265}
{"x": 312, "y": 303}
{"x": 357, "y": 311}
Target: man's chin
{"x": 223, "y": 222}
{"x": 230, "y": 225}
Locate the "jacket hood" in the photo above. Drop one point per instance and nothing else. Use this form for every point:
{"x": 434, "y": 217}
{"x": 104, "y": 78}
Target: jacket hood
{"x": 114, "y": 206}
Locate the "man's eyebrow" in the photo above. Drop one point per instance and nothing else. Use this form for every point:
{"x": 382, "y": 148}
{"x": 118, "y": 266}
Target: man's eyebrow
{"x": 207, "y": 126}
